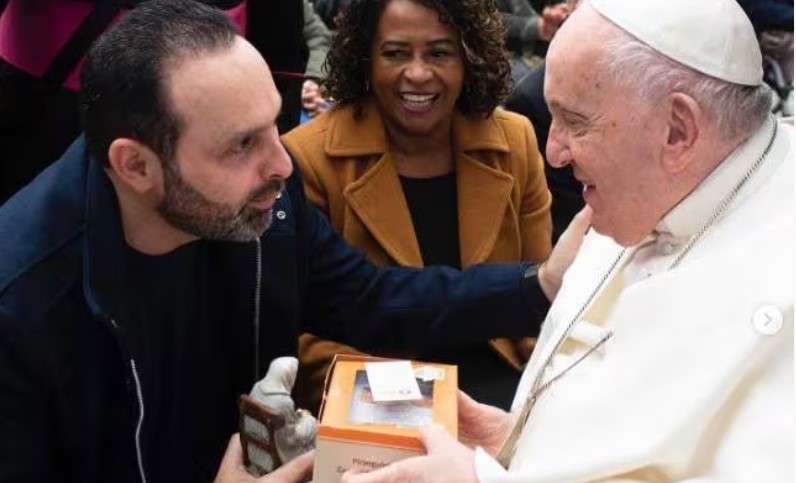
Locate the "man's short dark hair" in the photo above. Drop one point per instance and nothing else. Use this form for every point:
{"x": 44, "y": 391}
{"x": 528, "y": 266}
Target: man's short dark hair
{"x": 122, "y": 91}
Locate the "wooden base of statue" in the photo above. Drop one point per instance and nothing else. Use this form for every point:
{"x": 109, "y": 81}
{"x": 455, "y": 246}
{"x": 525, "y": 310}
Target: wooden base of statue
{"x": 257, "y": 427}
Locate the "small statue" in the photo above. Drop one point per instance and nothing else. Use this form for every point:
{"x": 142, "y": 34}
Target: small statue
{"x": 273, "y": 431}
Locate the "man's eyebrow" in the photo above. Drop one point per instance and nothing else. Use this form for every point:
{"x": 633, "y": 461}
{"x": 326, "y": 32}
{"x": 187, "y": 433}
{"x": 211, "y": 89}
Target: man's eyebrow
{"x": 237, "y": 136}
{"x": 554, "y": 105}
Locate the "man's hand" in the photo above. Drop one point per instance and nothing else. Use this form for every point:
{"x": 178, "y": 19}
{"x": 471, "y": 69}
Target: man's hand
{"x": 551, "y": 19}
{"x": 446, "y": 461}
{"x": 482, "y": 425}
{"x": 311, "y": 99}
{"x": 551, "y": 272}
{"x": 232, "y": 469}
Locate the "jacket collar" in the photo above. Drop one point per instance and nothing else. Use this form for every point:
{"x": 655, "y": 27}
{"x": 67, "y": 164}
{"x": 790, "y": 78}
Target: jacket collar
{"x": 104, "y": 283}
{"x": 377, "y": 198}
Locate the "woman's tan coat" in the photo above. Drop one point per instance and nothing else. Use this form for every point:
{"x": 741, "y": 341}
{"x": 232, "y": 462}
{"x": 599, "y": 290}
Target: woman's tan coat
{"x": 504, "y": 204}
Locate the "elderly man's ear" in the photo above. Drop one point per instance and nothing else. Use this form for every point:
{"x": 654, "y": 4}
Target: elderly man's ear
{"x": 684, "y": 120}
{"x": 135, "y": 165}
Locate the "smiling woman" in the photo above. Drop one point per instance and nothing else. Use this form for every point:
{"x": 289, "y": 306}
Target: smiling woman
{"x": 417, "y": 167}
{"x": 417, "y": 72}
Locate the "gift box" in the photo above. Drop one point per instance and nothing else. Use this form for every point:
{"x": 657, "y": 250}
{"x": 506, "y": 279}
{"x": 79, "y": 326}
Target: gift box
{"x": 359, "y": 430}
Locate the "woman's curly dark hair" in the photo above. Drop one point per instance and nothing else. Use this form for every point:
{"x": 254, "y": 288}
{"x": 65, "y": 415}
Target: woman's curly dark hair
{"x": 487, "y": 74}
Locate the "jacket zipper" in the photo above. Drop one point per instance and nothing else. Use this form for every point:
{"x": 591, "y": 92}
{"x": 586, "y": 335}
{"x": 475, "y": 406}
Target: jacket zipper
{"x": 140, "y": 399}
{"x": 139, "y": 393}
{"x": 257, "y": 290}
{"x": 140, "y": 423}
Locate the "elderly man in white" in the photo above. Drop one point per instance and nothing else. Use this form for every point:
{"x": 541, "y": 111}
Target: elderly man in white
{"x": 668, "y": 353}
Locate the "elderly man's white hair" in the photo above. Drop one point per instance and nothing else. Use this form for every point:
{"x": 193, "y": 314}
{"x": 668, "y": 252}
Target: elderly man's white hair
{"x": 737, "y": 110}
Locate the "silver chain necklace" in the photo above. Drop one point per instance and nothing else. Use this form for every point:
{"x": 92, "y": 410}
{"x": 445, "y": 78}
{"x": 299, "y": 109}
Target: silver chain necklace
{"x": 538, "y": 388}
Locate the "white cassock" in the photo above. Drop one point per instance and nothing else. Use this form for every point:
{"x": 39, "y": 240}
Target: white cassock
{"x": 696, "y": 384}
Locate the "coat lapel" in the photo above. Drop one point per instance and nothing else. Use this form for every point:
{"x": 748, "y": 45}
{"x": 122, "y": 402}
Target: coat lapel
{"x": 483, "y": 195}
{"x": 483, "y": 191}
{"x": 361, "y": 137}
{"x": 377, "y": 198}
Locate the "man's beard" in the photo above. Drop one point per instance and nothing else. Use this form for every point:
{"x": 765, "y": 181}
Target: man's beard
{"x": 187, "y": 209}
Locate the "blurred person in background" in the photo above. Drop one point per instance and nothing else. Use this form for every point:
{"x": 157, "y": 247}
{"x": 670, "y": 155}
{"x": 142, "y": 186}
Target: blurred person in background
{"x": 328, "y": 10}
{"x": 526, "y": 30}
{"x": 318, "y": 38}
{"x": 42, "y": 48}
{"x": 773, "y": 22}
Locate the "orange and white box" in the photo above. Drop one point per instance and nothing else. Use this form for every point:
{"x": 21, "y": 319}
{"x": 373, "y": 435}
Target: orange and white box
{"x": 355, "y": 431}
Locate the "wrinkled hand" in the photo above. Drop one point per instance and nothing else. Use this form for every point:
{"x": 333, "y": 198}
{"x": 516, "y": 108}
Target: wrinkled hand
{"x": 551, "y": 19}
{"x": 232, "y": 469}
{"x": 311, "y": 99}
{"x": 482, "y": 425}
{"x": 446, "y": 461}
{"x": 551, "y": 272}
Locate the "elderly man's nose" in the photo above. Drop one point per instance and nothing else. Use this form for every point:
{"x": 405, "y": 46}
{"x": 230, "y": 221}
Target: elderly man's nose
{"x": 558, "y": 154}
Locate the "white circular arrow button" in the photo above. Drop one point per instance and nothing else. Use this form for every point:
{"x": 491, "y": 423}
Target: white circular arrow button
{"x": 767, "y": 319}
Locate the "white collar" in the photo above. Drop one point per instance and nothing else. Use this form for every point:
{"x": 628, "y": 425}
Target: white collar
{"x": 688, "y": 216}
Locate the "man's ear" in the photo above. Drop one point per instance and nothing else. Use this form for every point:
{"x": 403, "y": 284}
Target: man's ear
{"x": 684, "y": 118}
{"x": 135, "y": 164}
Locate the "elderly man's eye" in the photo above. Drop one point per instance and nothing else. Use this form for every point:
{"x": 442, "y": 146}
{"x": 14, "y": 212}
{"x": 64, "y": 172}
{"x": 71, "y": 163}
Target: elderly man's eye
{"x": 576, "y": 126}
